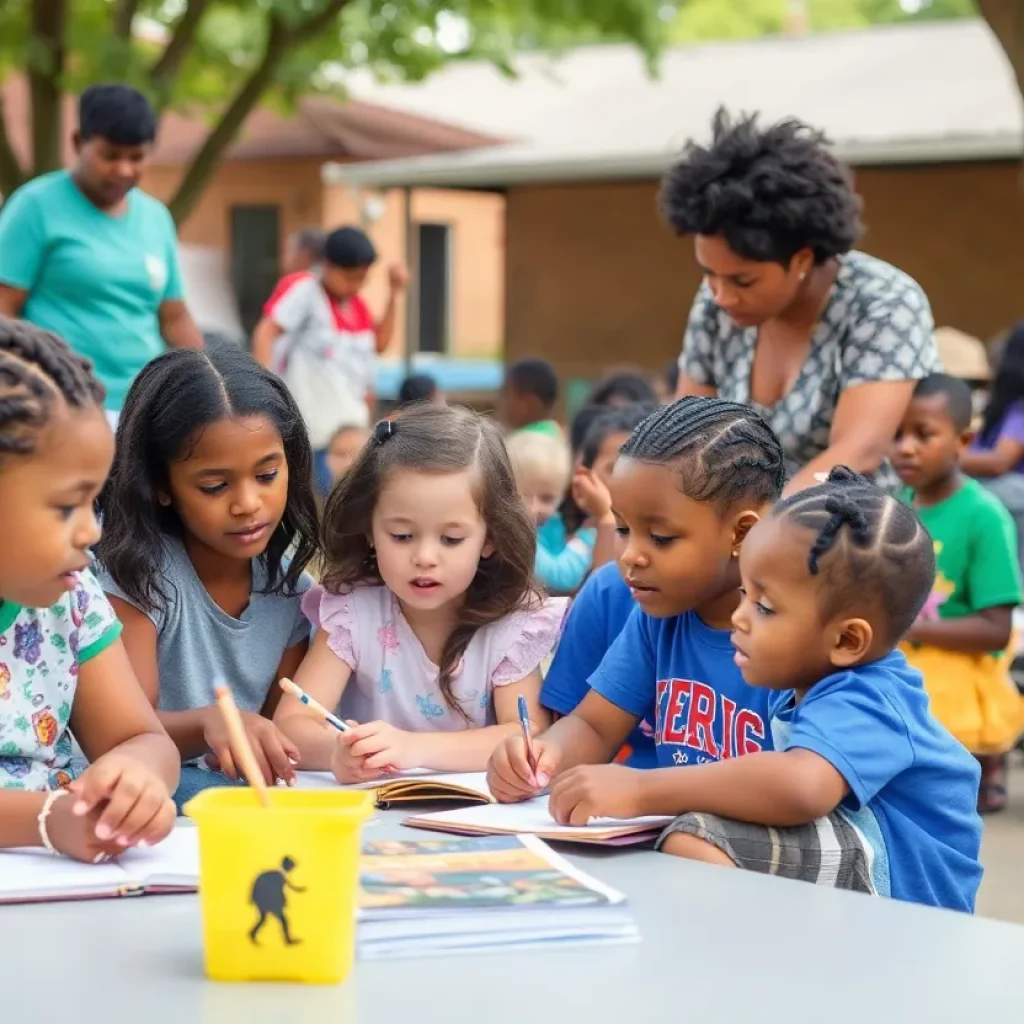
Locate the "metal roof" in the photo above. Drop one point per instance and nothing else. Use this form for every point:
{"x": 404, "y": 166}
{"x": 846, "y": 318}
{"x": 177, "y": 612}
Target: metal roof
{"x": 925, "y": 92}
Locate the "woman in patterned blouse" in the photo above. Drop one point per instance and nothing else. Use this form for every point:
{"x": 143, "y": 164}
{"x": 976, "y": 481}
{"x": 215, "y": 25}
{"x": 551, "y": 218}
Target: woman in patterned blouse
{"x": 825, "y": 342}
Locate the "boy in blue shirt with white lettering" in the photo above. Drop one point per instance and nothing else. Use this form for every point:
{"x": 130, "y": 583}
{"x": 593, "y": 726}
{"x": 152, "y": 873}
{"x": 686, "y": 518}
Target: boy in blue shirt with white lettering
{"x": 866, "y": 790}
{"x": 689, "y": 484}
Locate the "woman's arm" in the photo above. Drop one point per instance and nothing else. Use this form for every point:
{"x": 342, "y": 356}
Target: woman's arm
{"x": 985, "y": 631}
{"x": 12, "y": 300}
{"x": 323, "y": 676}
{"x": 863, "y": 427}
{"x": 688, "y": 386}
{"x": 382, "y": 744}
{"x": 1001, "y": 459}
{"x": 177, "y": 327}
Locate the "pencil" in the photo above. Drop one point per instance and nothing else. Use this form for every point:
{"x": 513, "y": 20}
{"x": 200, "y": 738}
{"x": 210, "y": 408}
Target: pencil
{"x": 314, "y": 705}
{"x": 239, "y": 742}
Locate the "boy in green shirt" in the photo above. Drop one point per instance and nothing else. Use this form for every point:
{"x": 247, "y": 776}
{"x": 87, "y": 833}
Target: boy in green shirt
{"x": 961, "y": 640}
{"x": 84, "y": 253}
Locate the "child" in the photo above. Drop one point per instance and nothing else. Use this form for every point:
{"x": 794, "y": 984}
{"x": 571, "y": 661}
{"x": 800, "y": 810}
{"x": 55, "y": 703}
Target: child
{"x": 622, "y": 389}
{"x": 528, "y": 397}
{"x": 961, "y": 641}
{"x": 343, "y": 449}
{"x": 420, "y": 387}
{"x": 601, "y": 608}
{"x": 428, "y": 626}
{"x": 211, "y": 486}
{"x": 689, "y": 484}
{"x": 63, "y": 668}
{"x": 996, "y": 456}
{"x": 866, "y": 790}
{"x": 543, "y": 471}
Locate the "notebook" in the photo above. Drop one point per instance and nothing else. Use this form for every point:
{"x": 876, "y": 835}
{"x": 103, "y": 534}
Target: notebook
{"x": 445, "y": 896}
{"x": 532, "y": 817}
{"x": 31, "y": 875}
{"x": 414, "y": 786}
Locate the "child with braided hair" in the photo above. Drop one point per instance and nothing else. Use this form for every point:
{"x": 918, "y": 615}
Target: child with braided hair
{"x": 63, "y": 667}
{"x": 688, "y": 486}
{"x": 865, "y": 789}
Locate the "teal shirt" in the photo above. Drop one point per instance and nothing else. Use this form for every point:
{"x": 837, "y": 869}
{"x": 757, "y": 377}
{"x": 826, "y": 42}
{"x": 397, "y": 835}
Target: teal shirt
{"x": 96, "y": 280}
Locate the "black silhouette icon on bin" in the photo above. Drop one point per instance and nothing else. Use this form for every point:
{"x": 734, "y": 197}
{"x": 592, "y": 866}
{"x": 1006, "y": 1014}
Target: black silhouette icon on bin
{"x": 270, "y": 899}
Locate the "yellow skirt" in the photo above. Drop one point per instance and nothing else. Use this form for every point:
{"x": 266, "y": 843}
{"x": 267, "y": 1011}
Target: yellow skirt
{"x": 972, "y": 695}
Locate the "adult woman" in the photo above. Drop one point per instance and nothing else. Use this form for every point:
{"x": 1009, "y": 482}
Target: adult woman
{"x": 824, "y": 341}
{"x": 86, "y": 254}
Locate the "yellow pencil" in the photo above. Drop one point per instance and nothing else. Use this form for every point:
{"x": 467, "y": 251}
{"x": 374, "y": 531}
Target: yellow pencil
{"x": 240, "y": 745}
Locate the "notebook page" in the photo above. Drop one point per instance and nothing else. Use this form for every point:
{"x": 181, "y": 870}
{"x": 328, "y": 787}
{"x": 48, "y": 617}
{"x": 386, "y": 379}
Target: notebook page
{"x": 175, "y": 861}
{"x": 532, "y": 816}
{"x": 476, "y": 782}
{"x": 30, "y": 872}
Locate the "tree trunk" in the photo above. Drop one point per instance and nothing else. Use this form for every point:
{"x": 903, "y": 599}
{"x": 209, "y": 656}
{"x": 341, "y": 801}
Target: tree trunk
{"x": 45, "y": 77}
{"x": 11, "y": 174}
{"x": 178, "y": 48}
{"x": 1006, "y": 19}
{"x": 280, "y": 39}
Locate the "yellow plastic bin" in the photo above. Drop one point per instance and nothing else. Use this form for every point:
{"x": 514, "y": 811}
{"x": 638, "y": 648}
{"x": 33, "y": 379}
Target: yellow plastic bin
{"x": 279, "y": 885}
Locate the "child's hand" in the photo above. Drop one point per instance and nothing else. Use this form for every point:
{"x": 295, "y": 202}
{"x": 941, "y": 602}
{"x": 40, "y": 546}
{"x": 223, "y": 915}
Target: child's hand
{"x": 349, "y": 769}
{"x": 508, "y": 772}
{"x": 595, "y": 791}
{"x": 380, "y": 746}
{"x": 591, "y": 495}
{"x": 116, "y": 803}
{"x": 275, "y": 753}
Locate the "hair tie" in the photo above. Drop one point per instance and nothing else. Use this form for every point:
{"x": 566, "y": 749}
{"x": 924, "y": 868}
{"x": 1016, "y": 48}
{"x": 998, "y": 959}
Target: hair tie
{"x": 384, "y": 431}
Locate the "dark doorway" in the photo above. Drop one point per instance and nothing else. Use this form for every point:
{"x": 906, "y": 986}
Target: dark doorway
{"x": 255, "y": 255}
{"x": 433, "y": 277}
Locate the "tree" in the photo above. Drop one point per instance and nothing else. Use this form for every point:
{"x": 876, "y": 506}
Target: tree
{"x": 225, "y": 57}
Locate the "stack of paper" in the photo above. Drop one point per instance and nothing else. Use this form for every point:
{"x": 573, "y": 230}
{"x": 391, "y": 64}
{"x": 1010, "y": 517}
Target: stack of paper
{"x": 462, "y": 895}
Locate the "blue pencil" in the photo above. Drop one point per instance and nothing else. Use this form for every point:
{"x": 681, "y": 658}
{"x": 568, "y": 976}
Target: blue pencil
{"x": 524, "y": 721}
{"x": 289, "y": 687}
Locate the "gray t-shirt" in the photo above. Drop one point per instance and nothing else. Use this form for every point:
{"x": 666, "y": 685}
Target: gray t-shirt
{"x": 877, "y": 325}
{"x": 198, "y": 642}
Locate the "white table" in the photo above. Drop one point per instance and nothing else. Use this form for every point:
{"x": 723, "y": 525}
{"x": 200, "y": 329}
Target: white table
{"x": 721, "y": 946}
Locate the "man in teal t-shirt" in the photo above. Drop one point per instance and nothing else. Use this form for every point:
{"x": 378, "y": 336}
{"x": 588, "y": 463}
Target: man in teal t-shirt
{"x": 86, "y": 254}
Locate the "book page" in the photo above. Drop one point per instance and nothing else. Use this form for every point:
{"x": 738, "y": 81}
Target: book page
{"x": 35, "y": 872}
{"x": 175, "y": 861}
{"x": 532, "y": 816}
{"x": 475, "y": 782}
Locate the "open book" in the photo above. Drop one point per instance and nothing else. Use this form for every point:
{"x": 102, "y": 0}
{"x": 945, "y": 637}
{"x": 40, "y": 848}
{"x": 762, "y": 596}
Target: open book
{"x": 417, "y": 785}
{"x": 32, "y": 876}
{"x": 533, "y": 818}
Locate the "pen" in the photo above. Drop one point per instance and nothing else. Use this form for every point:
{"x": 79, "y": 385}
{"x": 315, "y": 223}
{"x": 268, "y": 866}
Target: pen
{"x": 289, "y": 687}
{"x": 524, "y": 721}
{"x": 314, "y": 705}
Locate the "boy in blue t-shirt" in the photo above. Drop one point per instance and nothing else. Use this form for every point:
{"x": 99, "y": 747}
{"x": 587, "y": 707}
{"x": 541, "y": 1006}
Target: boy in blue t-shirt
{"x": 866, "y": 790}
{"x": 598, "y": 614}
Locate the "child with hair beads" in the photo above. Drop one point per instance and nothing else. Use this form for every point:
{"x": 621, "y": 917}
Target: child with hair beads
{"x": 690, "y": 483}
{"x": 543, "y": 473}
{"x": 865, "y": 789}
{"x": 209, "y": 521}
{"x": 960, "y": 642}
{"x": 63, "y": 667}
{"x": 428, "y": 625}
{"x": 604, "y": 603}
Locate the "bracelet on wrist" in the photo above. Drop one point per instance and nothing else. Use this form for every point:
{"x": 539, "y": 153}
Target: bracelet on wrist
{"x": 51, "y": 798}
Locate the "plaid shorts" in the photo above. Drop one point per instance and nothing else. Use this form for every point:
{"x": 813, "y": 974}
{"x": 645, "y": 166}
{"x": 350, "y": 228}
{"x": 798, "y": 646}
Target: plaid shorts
{"x": 829, "y": 851}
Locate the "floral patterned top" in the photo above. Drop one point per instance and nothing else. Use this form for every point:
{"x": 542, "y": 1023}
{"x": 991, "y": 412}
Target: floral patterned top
{"x": 41, "y": 650}
{"x": 877, "y": 325}
{"x": 394, "y": 681}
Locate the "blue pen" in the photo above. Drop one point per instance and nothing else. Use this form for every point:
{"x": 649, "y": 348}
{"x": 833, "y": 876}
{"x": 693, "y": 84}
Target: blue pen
{"x": 289, "y": 687}
{"x": 524, "y": 721}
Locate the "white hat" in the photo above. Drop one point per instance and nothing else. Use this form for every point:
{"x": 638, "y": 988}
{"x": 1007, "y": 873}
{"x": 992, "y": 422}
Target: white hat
{"x": 962, "y": 355}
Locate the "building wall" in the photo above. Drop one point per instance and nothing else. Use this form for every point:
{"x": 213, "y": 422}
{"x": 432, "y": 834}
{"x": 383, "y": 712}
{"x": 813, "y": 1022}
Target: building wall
{"x": 477, "y": 224}
{"x": 476, "y": 220}
{"x": 292, "y": 185}
{"x": 594, "y": 278}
